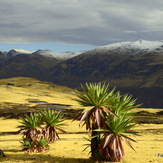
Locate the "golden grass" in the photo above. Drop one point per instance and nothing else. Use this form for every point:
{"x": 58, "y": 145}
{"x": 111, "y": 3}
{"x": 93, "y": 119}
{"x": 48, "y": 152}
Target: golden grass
{"x": 24, "y": 90}
{"x": 19, "y": 95}
{"x": 69, "y": 148}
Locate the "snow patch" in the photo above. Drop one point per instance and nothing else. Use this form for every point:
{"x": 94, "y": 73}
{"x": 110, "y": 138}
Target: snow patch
{"x": 22, "y": 51}
{"x": 63, "y": 55}
{"x": 140, "y": 44}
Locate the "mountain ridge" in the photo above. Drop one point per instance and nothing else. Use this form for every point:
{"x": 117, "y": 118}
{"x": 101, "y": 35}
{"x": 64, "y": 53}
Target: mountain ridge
{"x": 130, "y": 47}
{"x": 45, "y": 53}
{"x": 139, "y": 44}
{"x": 134, "y": 71}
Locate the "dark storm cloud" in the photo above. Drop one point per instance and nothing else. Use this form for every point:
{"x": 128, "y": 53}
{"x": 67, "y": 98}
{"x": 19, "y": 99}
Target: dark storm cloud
{"x": 92, "y": 22}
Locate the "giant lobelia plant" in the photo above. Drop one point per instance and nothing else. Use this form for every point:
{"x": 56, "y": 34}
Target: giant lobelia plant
{"x": 107, "y": 116}
{"x": 40, "y": 129}
{"x": 29, "y": 126}
{"x": 53, "y": 121}
{"x": 97, "y": 99}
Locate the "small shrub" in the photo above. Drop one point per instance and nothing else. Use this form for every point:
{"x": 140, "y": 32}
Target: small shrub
{"x": 42, "y": 144}
{"x": 30, "y": 125}
{"x": 39, "y": 145}
{"x": 53, "y": 121}
{"x": 27, "y": 145}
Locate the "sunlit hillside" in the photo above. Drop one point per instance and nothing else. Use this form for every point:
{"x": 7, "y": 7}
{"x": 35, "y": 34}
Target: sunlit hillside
{"x": 22, "y": 95}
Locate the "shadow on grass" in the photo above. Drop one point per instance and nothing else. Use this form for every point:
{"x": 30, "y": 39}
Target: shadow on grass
{"x": 160, "y": 113}
{"x": 154, "y": 131}
{"x": 12, "y": 150}
{"x": 9, "y": 133}
{"x": 42, "y": 158}
{"x": 16, "y": 114}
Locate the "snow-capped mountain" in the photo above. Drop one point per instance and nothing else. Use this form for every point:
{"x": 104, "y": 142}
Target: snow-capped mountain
{"x": 23, "y": 51}
{"x": 127, "y": 48}
{"x": 15, "y": 52}
{"x": 45, "y": 53}
{"x": 133, "y": 47}
{"x": 133, "y": 67}
{"x": 62, "y": 55}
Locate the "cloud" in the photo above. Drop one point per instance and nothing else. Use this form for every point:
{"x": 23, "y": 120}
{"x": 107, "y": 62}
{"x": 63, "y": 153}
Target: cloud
{"x": 93, "y": 22}
{"x": 132, "y": 32}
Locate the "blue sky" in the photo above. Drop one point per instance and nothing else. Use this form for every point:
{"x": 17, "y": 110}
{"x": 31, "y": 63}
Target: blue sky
{"x": 74, "y": 25}
{"x": 55, "y": 47}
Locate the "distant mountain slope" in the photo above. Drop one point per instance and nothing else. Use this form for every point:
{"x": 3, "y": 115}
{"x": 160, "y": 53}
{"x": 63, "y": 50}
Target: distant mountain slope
{"x": 25, "y": 65}
{"x": 133, "y": 67}
{"x": 44, "y": 53}
{"x": 138, "y": 71}
{"x": 144, "y": 70}
{"x": 59, "y": 56}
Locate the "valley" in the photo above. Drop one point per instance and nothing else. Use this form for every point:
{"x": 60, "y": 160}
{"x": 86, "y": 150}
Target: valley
{"x": 133, "y": 67}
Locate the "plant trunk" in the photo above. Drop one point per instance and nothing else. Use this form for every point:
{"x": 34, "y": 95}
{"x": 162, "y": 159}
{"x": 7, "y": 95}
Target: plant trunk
{"x": 94, "y": 143}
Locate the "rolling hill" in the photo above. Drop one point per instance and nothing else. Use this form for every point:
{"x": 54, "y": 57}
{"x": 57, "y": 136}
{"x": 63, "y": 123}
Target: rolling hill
{"x": 133, "y": 67}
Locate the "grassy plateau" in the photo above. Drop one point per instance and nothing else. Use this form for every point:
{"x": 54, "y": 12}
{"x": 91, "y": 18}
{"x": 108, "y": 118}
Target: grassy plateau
{"x": 24, "y": 95}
